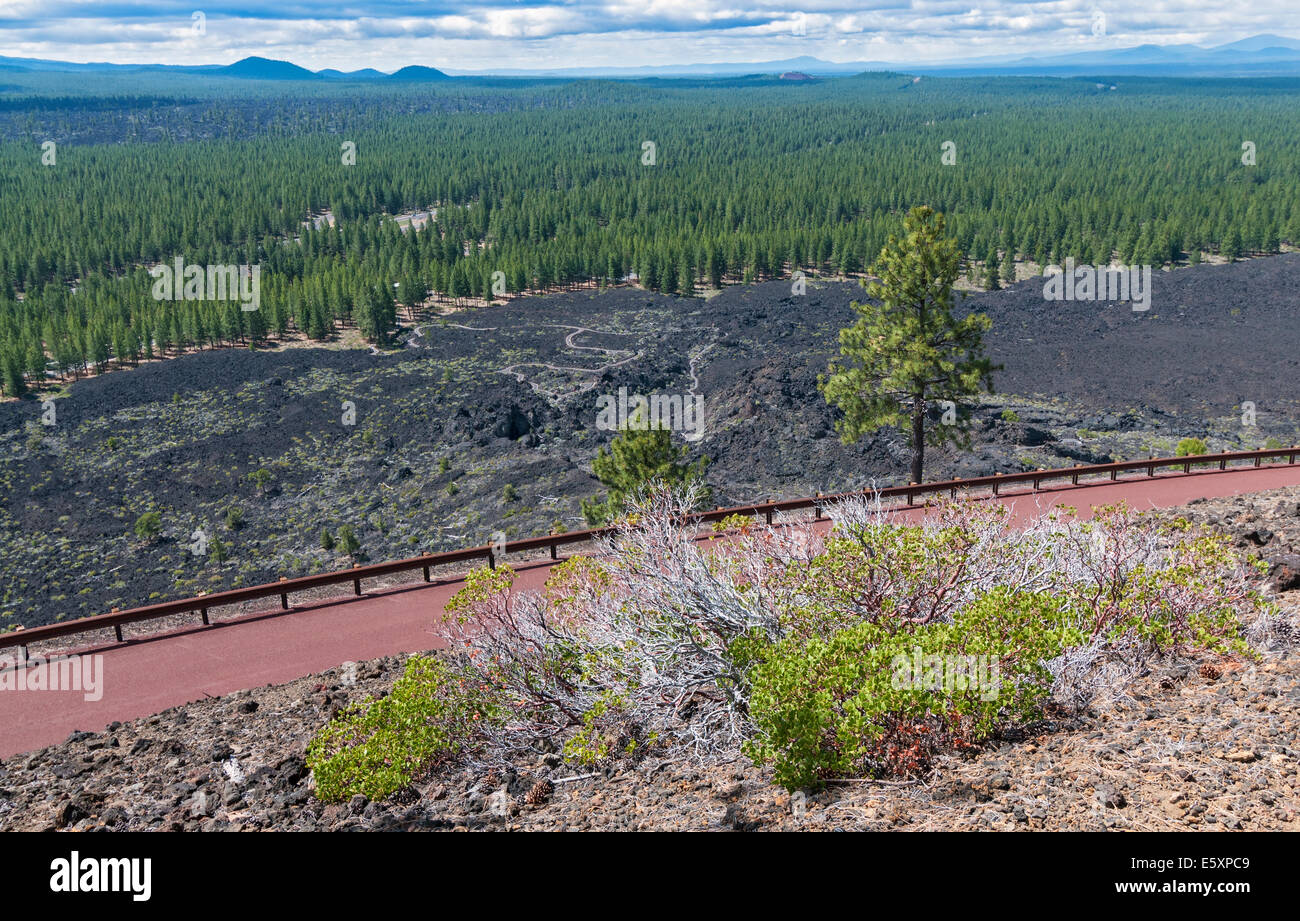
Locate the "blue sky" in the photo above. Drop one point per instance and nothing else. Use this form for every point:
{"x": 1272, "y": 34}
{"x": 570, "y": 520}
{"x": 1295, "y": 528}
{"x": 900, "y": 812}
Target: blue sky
{"x": 468, "y": 37}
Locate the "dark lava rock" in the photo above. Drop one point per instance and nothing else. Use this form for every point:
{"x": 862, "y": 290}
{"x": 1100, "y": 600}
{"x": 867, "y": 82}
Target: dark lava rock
{"x": 1111, "y": 798}
{"x": 290, "y": 771}
{"x": 1081, "y": 454}
{"x": 70, "y": 812}
{"x": 220, "y": 751}
{"x": 513, "y": 424}
{"x": 1029, "y": 436}
{"x": 1285, "y": 573}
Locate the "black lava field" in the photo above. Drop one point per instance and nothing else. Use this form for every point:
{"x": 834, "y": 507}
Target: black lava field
{"x": 414, "y": 448}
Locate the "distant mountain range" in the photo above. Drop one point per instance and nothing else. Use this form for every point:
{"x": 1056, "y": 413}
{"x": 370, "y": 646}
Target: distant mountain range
{"x": 251, "y": 68}
{"x": 1257, "y": 56}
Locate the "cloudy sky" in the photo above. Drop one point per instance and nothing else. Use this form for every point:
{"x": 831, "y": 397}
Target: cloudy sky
{"x": 507, "y": 34}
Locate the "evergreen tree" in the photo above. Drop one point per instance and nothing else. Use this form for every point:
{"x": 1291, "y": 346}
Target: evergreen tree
{"x": 638, "y": 455}
{"x": 907, "y": 350}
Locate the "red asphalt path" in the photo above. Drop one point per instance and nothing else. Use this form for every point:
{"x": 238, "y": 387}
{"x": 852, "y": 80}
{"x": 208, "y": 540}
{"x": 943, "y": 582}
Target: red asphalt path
{"x": 144, "y": 676}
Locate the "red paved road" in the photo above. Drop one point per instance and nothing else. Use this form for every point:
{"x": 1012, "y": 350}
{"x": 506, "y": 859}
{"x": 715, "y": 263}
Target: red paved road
{"x": 145, "y": 676}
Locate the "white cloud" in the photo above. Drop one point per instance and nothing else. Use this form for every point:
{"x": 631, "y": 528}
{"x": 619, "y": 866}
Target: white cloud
{"x": 388, "y": 34}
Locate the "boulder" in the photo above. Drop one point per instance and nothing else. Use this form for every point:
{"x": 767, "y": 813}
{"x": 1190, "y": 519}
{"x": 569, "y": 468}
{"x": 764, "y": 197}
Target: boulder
{"x": 1285, "y": 572}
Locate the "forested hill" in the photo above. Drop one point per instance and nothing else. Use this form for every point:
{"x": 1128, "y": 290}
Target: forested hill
{"x": 551, "y": 184}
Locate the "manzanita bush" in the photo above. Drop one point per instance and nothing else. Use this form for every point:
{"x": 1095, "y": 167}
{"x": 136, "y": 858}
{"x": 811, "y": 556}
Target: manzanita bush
{"x": 866, "y": 649}
{"x": 377, "y": 747}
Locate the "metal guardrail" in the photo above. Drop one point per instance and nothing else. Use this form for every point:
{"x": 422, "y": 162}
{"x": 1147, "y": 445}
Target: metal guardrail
{"x": 201, "y": 604}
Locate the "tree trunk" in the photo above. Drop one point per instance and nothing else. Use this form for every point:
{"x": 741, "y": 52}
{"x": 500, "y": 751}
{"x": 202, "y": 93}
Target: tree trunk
{"x": 918, "y": 437}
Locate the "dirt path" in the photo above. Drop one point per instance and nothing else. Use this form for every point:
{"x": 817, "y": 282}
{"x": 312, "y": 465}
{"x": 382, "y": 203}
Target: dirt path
{"x": 569, "y": 343}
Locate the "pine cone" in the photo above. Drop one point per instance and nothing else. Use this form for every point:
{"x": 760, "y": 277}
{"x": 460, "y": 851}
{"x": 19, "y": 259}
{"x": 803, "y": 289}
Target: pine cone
{"x": 491, "y": 780}
{"x": 1211, "y": 672}
{"x": 540, "y": 792}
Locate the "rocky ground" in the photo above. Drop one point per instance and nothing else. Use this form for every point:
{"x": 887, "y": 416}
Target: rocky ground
{"x": 1190, "y": 745}
{"x": 486, "y": 421}
{"x": 1265, "y": 526}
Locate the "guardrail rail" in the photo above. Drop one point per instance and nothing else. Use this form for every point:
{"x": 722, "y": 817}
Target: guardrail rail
{"x": 201, "y": 604}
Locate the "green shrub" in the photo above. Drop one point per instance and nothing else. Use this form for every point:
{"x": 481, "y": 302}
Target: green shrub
{"x": 591, "y": 744}
{"x": 234, "y": 518}
{"x": 148, "y": 525}
{"x": 1010, "y": 415}
{"x": 823, "y": 694}
{"x": 379, "y": 746}
{"x": 734, "y": 523}
{"x": 326, "y": 539}
{"x": 857, "y": 703}
{"x": 1190, "y": 603}
{"x": 260, "y": 478}
{"x": 1190, "y": 446}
